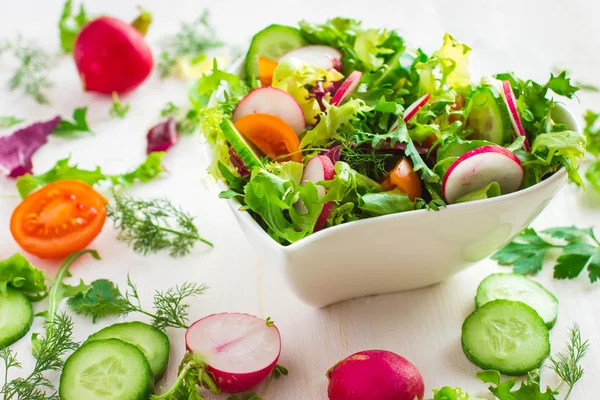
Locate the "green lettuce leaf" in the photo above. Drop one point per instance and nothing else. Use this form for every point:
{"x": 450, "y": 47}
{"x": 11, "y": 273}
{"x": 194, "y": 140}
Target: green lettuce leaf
{"x": 592, "y": 133}
{"x": 62, "y": 171}
{"x": 69, "y": 129}
{"x": 203, "y": 89}
{"x": 70, "y": 24}
{"x": 369, "y": 47}
{"x": 19, "y": 274}
{"x": 451, "y": 393}
{"x": 384, "y": 203}
{"x": 564, "y": 148}
{"x": 348, "y": 185}
{"x": 529, "y": 389}
{"x": 486, "y": 192}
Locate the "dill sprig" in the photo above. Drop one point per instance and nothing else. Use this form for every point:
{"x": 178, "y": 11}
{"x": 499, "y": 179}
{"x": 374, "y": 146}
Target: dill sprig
{"x": 105, "y": 299}
{"x": 192, "y": 41}
{"x": 48, "y": 352}
{"x": 566, "y": 365}
{"x": 149, "y": 226}
{"x": 31, "y": 75}
{"x": 366, "y": 161}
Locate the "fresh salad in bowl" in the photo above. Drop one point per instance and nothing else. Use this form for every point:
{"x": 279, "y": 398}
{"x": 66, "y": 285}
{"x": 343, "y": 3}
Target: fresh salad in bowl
{"x": 330, "y": 123}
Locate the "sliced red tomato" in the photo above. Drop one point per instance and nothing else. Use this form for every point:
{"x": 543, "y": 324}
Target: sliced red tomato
{"x": 58, "y": 219}
{"x": 406, "y": 179}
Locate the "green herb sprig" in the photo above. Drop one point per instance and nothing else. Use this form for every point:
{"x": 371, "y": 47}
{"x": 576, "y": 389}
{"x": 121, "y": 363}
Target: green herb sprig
{"x": 78, "y": 125}
{"x": 8, "y": 121}
{"x": 118, "y": 109}
{"x": 567, "y": 365}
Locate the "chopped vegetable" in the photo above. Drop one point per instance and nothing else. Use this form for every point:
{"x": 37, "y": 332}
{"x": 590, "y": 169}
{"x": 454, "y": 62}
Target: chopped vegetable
{"x": 118, "y": 110}
{"x": 79, "y": 124}
{"x": 70, "y": 24}
{"x": 150, "y": 226}
{"x": 17, "y": 149}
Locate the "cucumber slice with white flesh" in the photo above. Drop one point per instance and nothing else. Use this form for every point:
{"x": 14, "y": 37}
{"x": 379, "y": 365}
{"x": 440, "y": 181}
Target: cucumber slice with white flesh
{"x": 517, "y": 287}
{"x": 107, "y": 369}
{"x": 488, "y": 117}
{"x": 16, "y": 316}
{"x": 153, "y": 342}
{"x": 243, "y": 147}
{"x": 272, "y": 42}
{"x": 508, "y": 336}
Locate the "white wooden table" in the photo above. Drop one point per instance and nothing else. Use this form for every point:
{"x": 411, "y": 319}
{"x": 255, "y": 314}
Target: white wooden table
{"x": 527, "y": 37}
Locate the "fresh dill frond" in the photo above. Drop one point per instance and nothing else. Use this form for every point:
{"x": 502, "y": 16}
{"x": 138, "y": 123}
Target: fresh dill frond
{"x": 567, "y": 365}
{"x": 31, "y": 75}
{"x": 118, "y": 109}
{"x": 191, "y": 42}
{"x": 149, "y": 226}
{"x": 366, "y": 161}
{"x": 171, "y": 309}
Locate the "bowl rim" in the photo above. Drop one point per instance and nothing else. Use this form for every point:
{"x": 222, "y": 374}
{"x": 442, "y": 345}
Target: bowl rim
{"x": 237, "y": 68}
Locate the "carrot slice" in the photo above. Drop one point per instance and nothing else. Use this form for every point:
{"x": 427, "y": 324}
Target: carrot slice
{"x": 406, "y": 179}
{"x": 266, "y": 67}
{"x": 271, "y": 135}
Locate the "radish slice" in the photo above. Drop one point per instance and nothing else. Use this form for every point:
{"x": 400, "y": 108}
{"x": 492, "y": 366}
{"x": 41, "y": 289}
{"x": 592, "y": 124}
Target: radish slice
{"x": 413, "y": 109}
{"x": 319, "y": 168}
{"x": 511, "y": 103}
{"x": 349, "y": 86}
{"x": 317, "y": 55}
{"x": 480, "y": 167}
{"x": 239, "y": 349}
{"x": 269, "y": 100}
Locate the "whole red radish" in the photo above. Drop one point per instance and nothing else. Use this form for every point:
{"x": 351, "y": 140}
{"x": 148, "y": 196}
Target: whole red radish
{"x": 240, "y": 350}
{"x": 375, "y": 374}
{"x": 111, "y": 56}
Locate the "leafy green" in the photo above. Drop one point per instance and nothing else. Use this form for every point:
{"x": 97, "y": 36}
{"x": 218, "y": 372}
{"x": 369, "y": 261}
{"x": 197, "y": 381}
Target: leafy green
{"x": 190, "y": 381}
{"x": 561, "y": 148}
{"x": 204, "y": 88}
{"x": 118, "y": 110}
{"x": 348, "y": 185}
{"x": 279, "y": 371}
{"x": 561, "y": 85}
{"x": 70, "y": 24}
{"x": 592, "y": 174}
{"x": 61, "y": 171}
{"x": 245, "y": 396}
{"x": 592, "y": 133}
{"x": 486, "y": 192}
{"x": 18, "y": 273}
{"x": 68, "y": 129}
{"x": 451, "y": 393}
{"x": 153, "y": 225}
{"x": 8, "y": 121}
{"x": 384, "y": 203}
{"x": 369, "y": 47}
{"x": 529, "y": 389}
{"x": 366, "y": 161}
{"x": 578, "y": 246}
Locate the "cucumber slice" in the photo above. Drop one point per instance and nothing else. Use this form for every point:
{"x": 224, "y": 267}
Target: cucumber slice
{"x": 272, "y": 42}
{"x": 489, "y": 117}
{"x": 16, "y": 316}
{"x": 153, "y": 342}
{"x": 508, "y": 336}
{"x": 517, "y": 287}
{"x": 243, "y": 147}
{"x": 107, "y": 369}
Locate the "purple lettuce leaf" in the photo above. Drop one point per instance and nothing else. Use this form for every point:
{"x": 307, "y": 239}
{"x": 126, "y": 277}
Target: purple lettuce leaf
{"x": 16, "y": 150}
{"x": 162, "y": 136}
{"x": 237, "y": 162}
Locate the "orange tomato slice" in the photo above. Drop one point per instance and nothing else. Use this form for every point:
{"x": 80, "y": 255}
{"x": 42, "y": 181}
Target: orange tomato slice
{"x": 58, "y": 219}
{"x": 266, "y": 67}
{"x": 271, "y": 135}
{"x": 406, "y": 179}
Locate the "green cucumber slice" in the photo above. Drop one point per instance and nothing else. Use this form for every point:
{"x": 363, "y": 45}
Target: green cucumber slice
{"x": 489, "y": 117}
{"x": 16, "y": 316}
{"x": 516, "y": 287}
{"x": 272, "y": 42}
{"x": 243, "y": 147}
{"x": 508, "y": 336}
{"x": 153, "y": 342}
{"x": 107, "y": 369}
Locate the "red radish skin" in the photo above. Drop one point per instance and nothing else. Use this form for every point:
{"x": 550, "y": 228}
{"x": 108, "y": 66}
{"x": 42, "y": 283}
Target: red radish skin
{"x": 349, "y": 86}
{"x": 375, "y": 374}
{"x": 317, "y": 55}
{"x": 319, "y": 168}
{"x": 270, "y": 100}
{"x": 111, "y": 56}
{"x": 480, "y": 167}
{"x": 413, "y": 109}
{"x": 240, "y": 349}
{"x": 511, "y": 103}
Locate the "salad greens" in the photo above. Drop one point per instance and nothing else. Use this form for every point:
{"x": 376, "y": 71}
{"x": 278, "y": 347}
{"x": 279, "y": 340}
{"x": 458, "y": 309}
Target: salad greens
{"x": 118, "y": 109}
{"x": 79, "y": 124}
{"x": 8, "y": 121}
{"x": 367, "y": 109}
{"x": 70, "y": 24}
{"x": 18, "y": 273}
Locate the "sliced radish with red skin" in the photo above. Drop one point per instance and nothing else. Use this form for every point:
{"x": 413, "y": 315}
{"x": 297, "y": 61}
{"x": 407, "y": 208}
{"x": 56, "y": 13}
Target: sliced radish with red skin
{"x": 511, "y": 103}
{"x": 480, "y": 167}
{"x": 240, "y": 350}
{"x": 413, "y": 109}
{"x": 349, "y": 86}
{"x": 273, "y": 101}
{"x": 319, "y": 168}
{"x": 317, "y": 55}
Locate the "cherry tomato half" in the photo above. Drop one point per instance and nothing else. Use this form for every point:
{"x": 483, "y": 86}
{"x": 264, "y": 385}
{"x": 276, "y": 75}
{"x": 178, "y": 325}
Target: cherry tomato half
{"x": 58, "y": 219}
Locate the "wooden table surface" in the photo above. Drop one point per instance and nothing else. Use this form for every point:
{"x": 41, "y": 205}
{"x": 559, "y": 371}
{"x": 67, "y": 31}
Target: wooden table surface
{"x": 527, "y": 37}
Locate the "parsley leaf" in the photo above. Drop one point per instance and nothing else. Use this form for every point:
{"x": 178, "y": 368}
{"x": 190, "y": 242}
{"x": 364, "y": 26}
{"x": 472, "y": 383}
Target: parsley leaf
{"x": 529, "y": 389}
{"x": 61, "y": 171}
{"x": 7, "y": 122}
{"x": 526, "y": 253}
{"x": 79, "y": 124}
{"x": 561, "y": 85}
{"x": 118, "y": 110}
{"x": 19, "y": 274}
{"x": 70, "y": 24}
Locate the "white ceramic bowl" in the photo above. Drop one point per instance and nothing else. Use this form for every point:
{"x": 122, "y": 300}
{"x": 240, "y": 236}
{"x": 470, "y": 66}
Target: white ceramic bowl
{"x": 402, "y": 251}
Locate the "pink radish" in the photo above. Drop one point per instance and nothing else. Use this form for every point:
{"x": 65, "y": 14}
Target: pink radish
{"x": 270, "y": 100}
{"x": 317, "y": 55}
{"x": 240, "y": 350}
{"x": 480, "y": 167}
{"x": 413, "y": 109}
{"x": 349, "y": 86}
{"x": 375, "y": 374}
{"x": 511, "y": 104}
{"x": 319, "y": 168}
